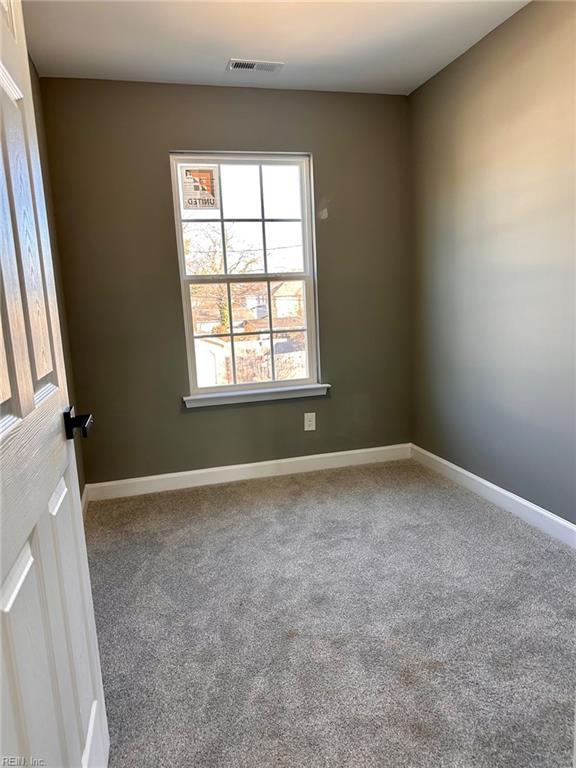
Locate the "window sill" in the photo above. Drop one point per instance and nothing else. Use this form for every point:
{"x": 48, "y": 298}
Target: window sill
{"x": 255, "y": 395}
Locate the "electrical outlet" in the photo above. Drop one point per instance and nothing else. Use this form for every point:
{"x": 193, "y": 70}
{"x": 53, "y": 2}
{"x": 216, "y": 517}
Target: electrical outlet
{"x": 309, "y": 422}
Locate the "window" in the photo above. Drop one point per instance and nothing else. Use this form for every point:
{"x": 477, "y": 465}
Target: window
{"x": 244, "y": 228}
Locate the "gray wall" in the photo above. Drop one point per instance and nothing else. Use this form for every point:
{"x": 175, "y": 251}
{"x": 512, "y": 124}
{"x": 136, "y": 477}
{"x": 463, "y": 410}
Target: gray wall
{"x": 38, "y": 114}
{"x": 495, "y": 270}
{"x": 477, "y": 243}
{"x": 108, "y": 148}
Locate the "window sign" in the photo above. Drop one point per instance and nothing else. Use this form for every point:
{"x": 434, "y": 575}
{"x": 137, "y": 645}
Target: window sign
{"x": 199, "y": 187}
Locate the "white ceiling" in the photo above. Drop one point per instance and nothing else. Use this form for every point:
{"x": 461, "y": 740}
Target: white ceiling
{"x": 373, "y": 47}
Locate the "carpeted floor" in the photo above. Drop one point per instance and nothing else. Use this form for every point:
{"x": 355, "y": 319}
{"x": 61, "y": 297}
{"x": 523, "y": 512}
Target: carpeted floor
{"x": 371, "y": 616}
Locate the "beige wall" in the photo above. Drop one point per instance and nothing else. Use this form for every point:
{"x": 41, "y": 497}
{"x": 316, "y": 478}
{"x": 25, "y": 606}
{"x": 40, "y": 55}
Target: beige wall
{"x": 495, "y": 263}
{"x": 108, "y": 145}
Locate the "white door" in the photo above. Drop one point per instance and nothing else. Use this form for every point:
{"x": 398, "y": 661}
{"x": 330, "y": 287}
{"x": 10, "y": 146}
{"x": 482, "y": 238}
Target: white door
{"x": 52, "y": 698}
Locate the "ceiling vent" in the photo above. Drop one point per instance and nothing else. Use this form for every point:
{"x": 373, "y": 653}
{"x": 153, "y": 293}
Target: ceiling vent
{"x": 252, "y": 65}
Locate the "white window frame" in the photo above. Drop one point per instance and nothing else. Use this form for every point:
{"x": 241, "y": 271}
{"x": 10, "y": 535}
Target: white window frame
{"x": 266, "y": 390}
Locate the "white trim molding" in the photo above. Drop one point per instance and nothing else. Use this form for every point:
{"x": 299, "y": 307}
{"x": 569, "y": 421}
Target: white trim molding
{"x": 173, "y": 481}
{"x": 215, "y": 163}
{"x": 546, "y": 521}
{"x": 256, "y": 395}
{"x": 539, "y": 517}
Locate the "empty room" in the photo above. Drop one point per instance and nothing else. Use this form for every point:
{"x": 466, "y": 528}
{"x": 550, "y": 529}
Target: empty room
{"x": 288, "y": 384}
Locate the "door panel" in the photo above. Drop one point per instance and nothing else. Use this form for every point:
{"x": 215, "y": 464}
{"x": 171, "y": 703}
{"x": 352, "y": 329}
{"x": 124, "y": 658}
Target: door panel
{"x": 14, "y": 329}
{"x": 60, "y": 631}
{"x": 66, "y": 558}
{"x": 26, "y": 646}
{"x": 13, "y": 741}
{"x": 31, "y": 269}
{"x": 52, "y": 696}
{"x": 5, "y": 387}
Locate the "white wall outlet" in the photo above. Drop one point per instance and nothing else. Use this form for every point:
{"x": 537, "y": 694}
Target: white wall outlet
{"x": 309, "y": 422}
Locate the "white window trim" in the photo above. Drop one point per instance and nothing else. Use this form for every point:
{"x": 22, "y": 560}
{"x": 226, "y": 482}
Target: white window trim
{"x": 266, "y": 390}
{"x": 257, "y": 395}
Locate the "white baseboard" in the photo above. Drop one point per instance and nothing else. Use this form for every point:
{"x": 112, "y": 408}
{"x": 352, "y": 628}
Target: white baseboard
{"x": 136, "y": 486}
{"x": 541, "y": 518}
{"x": 538, "y": 516}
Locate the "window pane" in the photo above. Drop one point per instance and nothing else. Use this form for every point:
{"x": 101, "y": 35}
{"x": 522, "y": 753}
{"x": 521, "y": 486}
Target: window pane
{"x": 288, "y": 304}
{"x": 284, "y": 251}
{"x": 252, "y": 355}
{"x": 244, "y": 247}
{"x": 213, "y": 361}
{"x": 241, "y": 191}
{"x": 290, "y": 356}
{"x": 281, "y": 191}
{"x": 209, "y": 303}
{"x": 203, "y": 251}
{"x": 249, "y": 307}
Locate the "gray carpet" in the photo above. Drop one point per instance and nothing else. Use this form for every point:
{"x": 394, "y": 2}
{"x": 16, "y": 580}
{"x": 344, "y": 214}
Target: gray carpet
{"x": 371, "y": 616}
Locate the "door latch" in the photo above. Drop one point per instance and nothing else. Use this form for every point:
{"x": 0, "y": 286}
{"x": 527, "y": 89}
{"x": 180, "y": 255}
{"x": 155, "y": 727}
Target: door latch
{"x": 72, "y": 422}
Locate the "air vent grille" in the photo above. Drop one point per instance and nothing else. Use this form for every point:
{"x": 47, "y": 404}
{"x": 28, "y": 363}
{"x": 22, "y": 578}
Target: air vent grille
{"x": 252, "y": 65}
